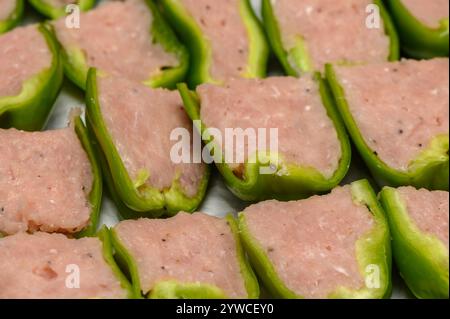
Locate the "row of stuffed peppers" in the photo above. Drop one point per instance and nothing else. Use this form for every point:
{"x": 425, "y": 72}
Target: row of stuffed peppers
{"x": 297, "y": 182}
{"x": 201, "y": 256}
{"x": 198, "y": 65}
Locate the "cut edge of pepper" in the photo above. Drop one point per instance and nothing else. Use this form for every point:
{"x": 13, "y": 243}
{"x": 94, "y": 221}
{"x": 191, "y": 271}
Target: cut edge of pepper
{"x": 108, "y": 255}
{"x": 426, "y": 175}
{"x": 76, "y": 67}
{"x": 165, "y": 289}
{"x": 283, "y": 55}
{"x": 255, "y": 185}
{"x": 153, "y": 203}
{"x": 417, "y": 39}
{"x": 266, "y": 270}
{"x": 26, "y": 110}
{"x": 14, "y": 18}
{"x": 416, "y": 253}
{"x": 53, "y": 12}
{"x": 95, "y": 195}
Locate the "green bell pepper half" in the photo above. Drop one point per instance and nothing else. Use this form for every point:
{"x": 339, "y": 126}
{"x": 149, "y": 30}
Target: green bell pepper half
{"x": 95, "y": 195}
{"x": 298, "y": 182}
{"x": 430, "y": 169}
{"x": 171, "y": 289}
{"x": 423, "y": 260}
{"x": 373, "y": 248}
{"x": 417, "y": 39}
{"x": 136, "y": 195}
{"x": 108, "y": 255}
{"x": 76, "y": 67}
{"x": 31, "y": 108}
{"x": 52, "y": 12}
{"x": 200, "y": 48}
{"x": 14, "y": 18}
{"x": 298, "y": 60}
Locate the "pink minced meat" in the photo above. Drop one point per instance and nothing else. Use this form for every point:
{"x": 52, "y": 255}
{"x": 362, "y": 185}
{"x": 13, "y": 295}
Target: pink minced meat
{"x": 188, "y": 248}
{"x": 127, "y": 109}
{"x": 428, "y": 210}
{"x": 429, "y": 12}
{"x": 312, "y": 242}
{"x": 38, "y": 266}
{"x": 306, "y": 135}
{"x": 7, "y": 8}
{"x": 116, "y": 38}
{"x": 398, "y": 107}
{"x": 333, "y": 30}
{"x": 45, "y": 179}
{"x": 223, "y": 26}
{"x": 20, "y": 63}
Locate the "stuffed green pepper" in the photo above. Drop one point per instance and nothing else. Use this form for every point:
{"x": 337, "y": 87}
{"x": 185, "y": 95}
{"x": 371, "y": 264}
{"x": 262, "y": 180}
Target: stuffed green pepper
{"x": 225, "y": 38}
{"x": 189, "y": 256}
{"x": 31, "y": 78}
{"x": 50, "y": 181}
{"x": 142, "y": 159}
{"x": 397, "y": 115}
{"x": 129, "y": 39}
{"x": 305, "y": 35}
{"x": 331, "y": 246}
{"x": 52, "y": 266}
{"x": 11, "y": 11}
{"x": 419, "y": 226}
{"x": 422, "y": 26}
{"x": 279, "y": 137}
{"x": 54, "y": 9}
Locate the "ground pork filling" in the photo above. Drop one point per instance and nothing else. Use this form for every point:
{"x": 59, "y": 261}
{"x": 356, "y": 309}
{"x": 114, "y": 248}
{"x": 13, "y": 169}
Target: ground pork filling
{"x": 311, "y": 243}
{"x": 306, "y": 135}
{"x": 116, "y": 38}
{"x": 333, "y": 30}
{"x": 188, "y": 248}
{"x": 18, "y": 62}
{"x": 428, "y": 210}
{"x": 6, "y": 8}
{"x": 400, "y": 107}
{"x": 428, "y": 12}
{"x": 45, "y": 179}
{"x": 127, "y": 108}
{"x": 47, "y": 266}
{"x": 224, "y": 28}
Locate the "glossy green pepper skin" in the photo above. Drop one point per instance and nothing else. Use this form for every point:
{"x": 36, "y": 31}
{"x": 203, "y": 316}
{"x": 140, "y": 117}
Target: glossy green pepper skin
{"x": 200, "y": 48}
{"x": 95, "y": 196}
{"x": 295, "y": 62}
{"x": 144, "y": 200}
{"x": 52, "y": 12}
{"x": 299, "y": 182}
{"x": 76, "y": 67}
{"x": 14, "y": 18}
{"x": 30, "y": 109}
{"x": 124, "y": 211}
{"x": 108, "y": 255}
{"x": 417, "y": 39}
{"x": 170, "y": 289}
{"x": 371, "y": 249}
{"x": 429, "y": 170}
{"x": 422, "y": 259}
